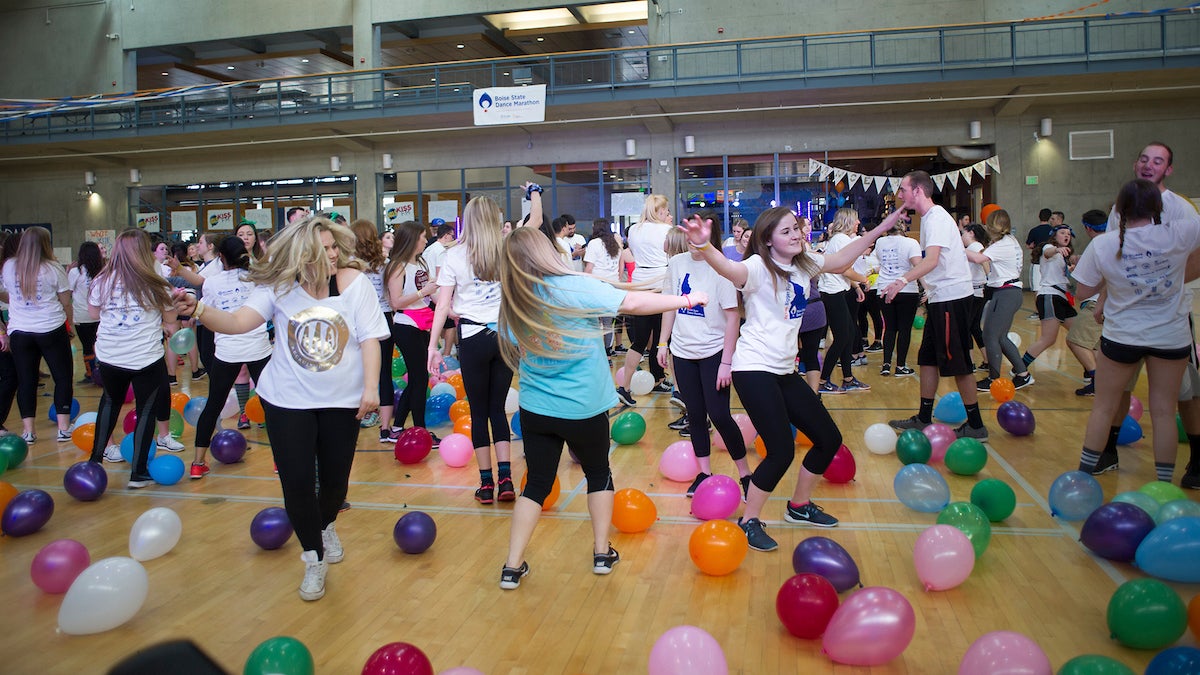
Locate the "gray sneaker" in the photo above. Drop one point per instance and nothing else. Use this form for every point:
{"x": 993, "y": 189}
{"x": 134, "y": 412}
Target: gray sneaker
{"x": 966, "y": 431}
{"x": 756, "y": 535}
{"x": 913, "y": 422}
{"x": 810, "y": 514}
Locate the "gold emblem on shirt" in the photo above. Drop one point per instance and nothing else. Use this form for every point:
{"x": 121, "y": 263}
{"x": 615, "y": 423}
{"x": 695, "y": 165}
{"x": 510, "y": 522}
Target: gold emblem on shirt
{"x": 316, "y": 336}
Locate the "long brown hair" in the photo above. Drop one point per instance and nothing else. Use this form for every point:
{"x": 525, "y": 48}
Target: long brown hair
{"x": 1137, "y": 199}
{"x": 763, "y": 230}
{"x": 33, "y": 251}
{"x": 368, "y": 248}
{"x": 408, "y": 235}
{"x": 131, "y": 266}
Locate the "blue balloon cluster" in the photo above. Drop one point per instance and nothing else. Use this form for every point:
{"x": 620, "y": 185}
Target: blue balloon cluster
{"x": 437, "y": 409}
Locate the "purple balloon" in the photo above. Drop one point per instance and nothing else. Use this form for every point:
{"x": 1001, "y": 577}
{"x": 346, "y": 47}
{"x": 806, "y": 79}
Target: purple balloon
{"x": 1115, "y": 530}
{"x": 415, "y": 532}
{"x": 1016, "y": 418}
{"x": 85, "y": 481}
{"x": 27, "y": 513}
{"x": 271, "y": 528}
{"x": 827, "y": 558}
{"x": 228, "y": 446}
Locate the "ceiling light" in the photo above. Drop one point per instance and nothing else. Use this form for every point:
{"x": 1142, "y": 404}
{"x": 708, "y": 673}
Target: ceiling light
{"x": 541, "y": 39}
{"x": 505, "y": 73}
{"x": 615, "y": 11}
{"x": 228, "y": 67}
{"x": 631, "y": 31}
{"x": 461, "y": 46}
{"x": 303, "y": 60}
{"x": 164, "y": 73}
{"x": 533, "y": 19}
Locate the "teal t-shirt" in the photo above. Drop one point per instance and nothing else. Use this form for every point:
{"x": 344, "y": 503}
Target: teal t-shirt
{"x": 579, "y": 385}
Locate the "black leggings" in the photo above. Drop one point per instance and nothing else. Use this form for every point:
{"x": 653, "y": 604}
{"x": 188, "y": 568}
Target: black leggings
{"x": 87, "y": 336}
{"x": 772, "y": 401}
{"x": 314, "y": 451}
{"x": 544, "y": 437}
{"x": 412, "y": 341}
{"x": 841, "y": 324}
{"x": 977, "y": 305}
{"x": 8, "y": 385}
{"x": 207, "y": 346}
{"x": 149, "y": 388}
{"x": 697, "y": 383}
{"x": 869, "y": 307}
{"x": 898, "y": 318}
{"x": 810, "y": 349}
{"x": 387, "y": 390}
{"x": 646, "y": 331}
{"x": 28, "y": 350}
{"x": 221, "y": 377}
{"x": 486, "y": 379}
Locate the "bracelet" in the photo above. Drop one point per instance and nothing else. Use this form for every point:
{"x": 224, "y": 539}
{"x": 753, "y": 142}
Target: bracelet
{"x": 726, "y": 363}
{"x": 662, "y": 344}
{"x": 199, "y": 309}
{"x": 698, "y": 247}
{"x": 688, "y": 300}
{"x": 905, "y": 280}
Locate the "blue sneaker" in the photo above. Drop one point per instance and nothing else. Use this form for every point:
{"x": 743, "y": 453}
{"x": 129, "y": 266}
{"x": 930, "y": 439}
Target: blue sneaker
{"x": 830, "y": 388}
{"x": 853, "y": 384}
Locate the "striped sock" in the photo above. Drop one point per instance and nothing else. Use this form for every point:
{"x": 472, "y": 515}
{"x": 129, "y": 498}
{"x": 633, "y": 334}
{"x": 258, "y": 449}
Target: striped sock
{"x": 1165, "y": 471}
{"x": 1088, "y": 460}
{"x": 485, "y": 477}
{"x": 1027, "y": 358}
{"x": 243, "y": 395}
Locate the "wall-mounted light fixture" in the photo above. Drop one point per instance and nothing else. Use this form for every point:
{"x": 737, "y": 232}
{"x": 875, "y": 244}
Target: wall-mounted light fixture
{"x": 335, "y": 163}
{"x": 89, "y": 178}
{"x": 386, "y": 161}
{"x": 630, "y": 147}
{"x": 135, "y": 176}
{"x": 1046, "y": 127}
{"x": 689, "y": 144}
{"x": 976, "y": 130}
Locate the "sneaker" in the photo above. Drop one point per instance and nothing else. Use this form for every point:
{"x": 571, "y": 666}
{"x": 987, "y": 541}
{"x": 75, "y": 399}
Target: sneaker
{"x": 677, "y": 402}
{"x": 619, "y": 349}
{"x": 875, "y": 346}
{"x": 745, "y": 481}
{"x": 313, "y": 586}
{"x": 829, "y": 388}
{"x": 1088, "y": 389}
{"x": 171, "y": 380}
{"x": 603, "y": 563}
{"x": 853, "y": 384}
{"x": 341, "y": 509}
{"x": 700, "y": 478}
{"x": 86, "y": 379}
{"x": 369, "y": 420}
{"x": 437, "y": 442}
{"x": 510, "y": 577}
{"x": 113, "y": 454}
{"x": 137, "y": 482}
{"x": 984, "y": 385}
{"x": 1107, "y": 462}
{"x": 809, "y": 514}
{"x": 1191, "y": 478}
{"x": 913, "y": 422}
{"x": 166, "y": 442}
{"x": 756, "y": 535}
{"x": 505, "y": 491}
{"x": 243, "y": 421}
{"x": 485, "y": 494}
{"x": 966, "y": 431}
{"x": 332, "y": 545}
{"x": 885, "y": 370}
{"x": 859, "y": 360}
{"x": 681, "y": 423}
{"x": 663, "y": 387}
{"x": 983, "y": 367}
{"x": 901, "y": 371}
{"x": 29, "y": 437}
{"x": 625, "y": 396}
{"x": 389, "y": 436}
{"x": 198, "y": 471}
{"x": 1022, "y": 381}
{"x": 63, "y": 436}
{"x": 198, "y": 374}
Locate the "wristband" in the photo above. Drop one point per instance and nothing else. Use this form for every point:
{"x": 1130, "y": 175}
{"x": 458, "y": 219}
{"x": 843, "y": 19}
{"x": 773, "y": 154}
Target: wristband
{"x": 699, "y": 247}
{"x": 905, "y": 280}
{"x": 533, "y": 187}
{"x": 688, "y": 300}
{"x": 661, "y": 345}
{"x": 199, "y": 309}
{"x": 726, "y": 363}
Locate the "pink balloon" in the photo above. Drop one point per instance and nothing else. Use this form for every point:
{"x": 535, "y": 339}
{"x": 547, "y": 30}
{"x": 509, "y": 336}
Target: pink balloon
{"x": 129, "y": 396}
{"x": 1135, "y": 408}
{"x": 55, "y": 567}
{"x": 461, "y": 670}
{"x": 678, "y": 462}
{"x": 456, "y": 450}
{"x": 749, "y": 433}
{"x": 1007, "y": 653}
{"x": 716, "y": 498}
{"x": 940, "y": 437}
{"x": 873, "y": 626}
{"x": 687, "y": 650}
{"x": 620, "y": 376}
{"x": 944, "y": 557}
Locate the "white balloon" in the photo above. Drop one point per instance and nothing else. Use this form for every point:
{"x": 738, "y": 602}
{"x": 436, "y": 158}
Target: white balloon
{"x": 512, "y": 402}
{"x": 1015, "y": 339}
{"x": 104, "y": 596}
{"x": 880, "y": 439}
{"x": 641, "y": 383}
{"x": 231, "y": 407}
{"x": 154, "y": 534}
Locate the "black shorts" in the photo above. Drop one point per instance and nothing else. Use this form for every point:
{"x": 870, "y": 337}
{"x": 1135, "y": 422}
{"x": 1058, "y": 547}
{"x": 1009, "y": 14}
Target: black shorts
{"x": 1051, "y": 306}
{"x": 1122, "y": 353}
{"x": 946, "y": 341}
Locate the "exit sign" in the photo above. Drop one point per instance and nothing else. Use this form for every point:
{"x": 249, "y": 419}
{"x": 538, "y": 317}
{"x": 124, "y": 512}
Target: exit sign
{"x": 1031, "y": 180}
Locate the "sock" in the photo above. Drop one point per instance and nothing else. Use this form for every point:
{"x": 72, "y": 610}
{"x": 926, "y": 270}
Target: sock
{"x": 794, "y": 505}
{"x": 1088, "y": 460}
{"x": 1027, "y": 358}
{"x": 1194, "y": 463}
{"x": 505, "y": 470}
{"x": 1089, "y": 375}
{"x": 243, "y": 395}
{"x": 1110, "y": 448}
{"x": 973, "y": 418}
{"x": 925, "y": 414}
{"x": 485, "y": 477}
{"x": 1165, "y": 471}
{"x": 87, "y": 366}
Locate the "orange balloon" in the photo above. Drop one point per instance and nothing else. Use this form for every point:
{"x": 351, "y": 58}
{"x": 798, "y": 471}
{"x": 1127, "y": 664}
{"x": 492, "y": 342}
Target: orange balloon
{"x": 1002, "y": 389}
{"x": 7, "y": 492}
{"x": 254, "y": 410}
{"x": 84, "y": 436}
{"x": 179, "y": 400}
{"x": 633, "y": 511}
{"x": 759, "y": 447}
{"x": 460, "y": 391}
{"x": 802, "y": 440}
{"x": 987, "y": 210}
{"x": 550, "y": 498}
{"x": 459, "y": 408}
{"x": 1193, "y": 614}
{"x": 718, "y": 547}
{"x": 462, "y": 425}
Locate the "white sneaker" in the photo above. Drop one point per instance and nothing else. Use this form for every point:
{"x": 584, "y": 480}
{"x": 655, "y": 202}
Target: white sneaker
{"x": 113, "y": 454}
{"x": 313, "y": 586}
{"x": 29, "y": 437}
{"x": 166, "y": 442}
{"x": 333, "y": 545}
{"x": 63, "y": 436}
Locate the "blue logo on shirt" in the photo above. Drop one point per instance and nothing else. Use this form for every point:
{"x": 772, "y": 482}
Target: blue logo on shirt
{"x": 684, "y": 289}
{"x": 798, "y": 301}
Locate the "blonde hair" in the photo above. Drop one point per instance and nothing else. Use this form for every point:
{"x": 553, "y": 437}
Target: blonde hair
{"x": 296, "y": 255}
{"x": 650, "y": 209}
{"x": 482, "y": 238}
{"x": 676, "y": 242}
{"x": 843, "y": 222}
{"x": 33, "y": 250}
{"x": 132, "y": 266}
{"x": 998, "y": 225}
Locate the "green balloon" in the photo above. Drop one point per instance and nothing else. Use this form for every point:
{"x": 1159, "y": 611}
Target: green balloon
{"x": 14, "y": 450}
{"x": 1139, "y": 499}
{"x": 398, "y": 368}
{"x": 972, "y": 521}
{"x": 1180, "y": 508}
{"x": 628, "y": 428}
{"x": 175, "y": 425}
{"x": 3, "y": 464}
{"x": 913, "y": 447}
{"x": 1162, "y": 492}
{"x": 182, "y": 341}
{"x": 1094, "y": 664}
{"x": 995, "y": 498}
{"x": 280, "y": 656}
{"x": 1146, "y": 614}
{"x": 966, "y": 457}
{"x": 399, "y": 384}
{"x": 919, "y": 322}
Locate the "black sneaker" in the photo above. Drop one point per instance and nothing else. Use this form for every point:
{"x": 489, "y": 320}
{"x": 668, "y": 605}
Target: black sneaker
{"x": 756, "y": 535}
{"x": 620, "y": 349}
{"x": 510, "y": 577}
{"x": 700, "y": 478}
{"x": 603, "y": 563}
{"x": 681, "y": 423}
{"x": 901, "y": 371}
{"x": 663, "y": 387}
{"x": 685, "y": 432}
{"x": 745, "y": 481}
{"x": 1088, "y": 389}
{"x": 486, "y": 494}
{"x": 875, "y": 346}
{"x": 1107, "y": 462}
{"x": 505, "y": 491}
{"x": 984, "y": 385}
{"x": 625, "y": 396}
{"x": 885, "y": 370}
{"x": 913, "y": 422}
{"x": 1191, "y": 478}
{"x": 1022, "y": 381}
{"x": 136, "y": 482}
{"x": 965, "y": 430}
{"x": 983, "y": 366}
{"x": 172, "y": 381}
{"x": 809, "y": 514}
{"x": 197, "y": 374}
{"x": 677, "y": 402}
{"x": 436, "y": 441}
{"x": 341, "y": 509}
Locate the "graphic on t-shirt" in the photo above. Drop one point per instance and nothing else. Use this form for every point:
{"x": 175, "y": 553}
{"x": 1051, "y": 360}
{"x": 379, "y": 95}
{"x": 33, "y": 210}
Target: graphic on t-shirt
{"x": 317, "y": 336}
{"x": 1148, "y": 275}
{"x": 421, "y": 280}
{"x": 798, "y": 301}
{"x": 684, "y": 289}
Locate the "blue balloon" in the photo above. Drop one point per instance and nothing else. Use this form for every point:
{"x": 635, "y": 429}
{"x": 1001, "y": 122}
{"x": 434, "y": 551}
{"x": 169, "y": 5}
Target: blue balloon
{"x": 193, "y": 408}
{"x": 516, "y": 424}
{"x": 443, "y": 389}
{"x": 1171, "y": 550}
{"x": 921, "y": 488}
{"x": 449, "y": 363}
{"x": 441, "y": 402}
{"x": 86, "y": 418}
{"x": 1175, "y": 661}
{"x": 166, "y": 470}
{"x": 1074, "y": 495}
{"x": 950, "y": 409}
{"x": 1131, "y": 431}
{"x": 127, "y": 449}
{"x": 53, "y": 414}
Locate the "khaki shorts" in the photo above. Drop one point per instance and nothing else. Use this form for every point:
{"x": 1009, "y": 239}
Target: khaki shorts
{"x": 1084, "y": 330}
{"x": 1189, "y": 387}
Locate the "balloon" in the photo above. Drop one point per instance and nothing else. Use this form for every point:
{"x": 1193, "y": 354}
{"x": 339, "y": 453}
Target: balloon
{"x": 805, "y": 604}
{"x": 456, "y": 450}
{"x": 913, "y": 447}
{"x": 1004, "y": 651}
{"x": 842, "y": 468}
{"x": 1002, "y": 390}
{"x": 1114, "y": 531}
{"x": 456, "y": 381}
{"x": 3, "y": 463}
{"x": 919, "y": 321}
{"x": 398, "y": 658}
{"x": 271, "y": 528}
{"x": 966, "y": 457}
{"x": 555, "y": 491}
{"x": 182, "y": 341}
{"x": 7, "y": 493}
{"x": 628, "y": 428}
{"x": 84, "y": 418}
{"x": 678, "y": 462}
{"x": 995, "y": 498}
{"x": 444, "y": 389}
{"x": 687, "y": 650}
{"x": 129, "y": 395}
{"x": 1180, "y": 508}
{"x": 633, "y": 511}
{"x": 1171, "y": 550}
{"x": 154, "y": 534}
{"x": 52, "y": 413}
{"x": 127, "y": 449}
{"x": 873, "y": 626}
{"x": 57, "y": 565}
{"x": 827, "y": 558}
{"x": 1139, "y": 499}
{"x": 1074, "y": 495}
{"x": 413, "y": 445}
{"x": 716, "y": 498}
{"x": 85, "y": 481}
{"x": 1194, "y": 615}
{"x": 1130, "y": 433}
{"x": 254, "y": 410}
{"x": 193, "y": 408}
{"x": 1146, "y": 614}
{"x": 1181, "y": 660}
{"x": 921, "y": 488}
{"x": 280, "y": 656}
{"x": 619, "y": 377}
{"x": 718, "y": 547}
{"x": 450, "y": 363}
{"x": 175, "y": 424}
{"x": 745, "y": 426}
{"x": 228, "y": 446}
{"x": 231, "y": 406}
{"x": 462, "y": 425}
{"x": 512, "y": 401}
{"x": 1014, "y": 338}
{"x": 972, "y": 521}
{"x": 1162, "y": 492}
{"x": 460, "y": 408}
{"x": 179, "y": 401}
{"x": 943, "y": 557}
{"x": 950, "y": 409}
{"x": 26, "y": 513}
{"x": 641, "y": 383}
{"x": 516, "y": 424}
{"x": 14, "y": 450}
{"x": 1094, "y": 664}
{"x": 398, "y": 368}
{"x": 940, "y": 437}
{"x": 103, "y": 596}
{"x": 167, "y": 469}
{"x": 415, "y": 532}
{"x": 1016, "y": 418}
{"x": 1135, "y": 408}
{"x": 880, "y": 439}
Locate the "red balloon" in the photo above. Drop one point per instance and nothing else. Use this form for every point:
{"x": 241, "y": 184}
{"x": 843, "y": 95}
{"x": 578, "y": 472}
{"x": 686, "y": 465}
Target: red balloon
{"x": 842, "y": 468}
{"x": 413, "y": 445}
{"x": 130, "y": 421}
{"x": 805, "y": 604}
{"x": 398, "y": 658}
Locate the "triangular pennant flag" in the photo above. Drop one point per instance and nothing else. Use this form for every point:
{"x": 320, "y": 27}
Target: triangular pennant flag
{"x": 813, "y": 166}
{"x": 838, "y": 175}
{"x": 825, "y": 171}
{"x": 994, "y": 162}
{"x": 893, "y": 183}
{"x": 939, "y": 180}
{"x": 980, "y": 168}
{"x": 853, "y": 178}
{"x": 953, "y": 178}
{"x": 879, "y": 182}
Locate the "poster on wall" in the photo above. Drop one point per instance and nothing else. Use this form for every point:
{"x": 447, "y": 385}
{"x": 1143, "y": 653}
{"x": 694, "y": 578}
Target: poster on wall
{"x": 104, "y": 238}
{"x": 509, "y": 105}
{"x": 220, "y": 219}
{"x": 398, "y": 212}
{"x": 627, "y": 203}
{"x": 447, "y": 211}
{"x": 18, "y": 228}
{"x": 183, "y": 220}
{"x": 262, "y": 218}
{"x": 150, "y": 222}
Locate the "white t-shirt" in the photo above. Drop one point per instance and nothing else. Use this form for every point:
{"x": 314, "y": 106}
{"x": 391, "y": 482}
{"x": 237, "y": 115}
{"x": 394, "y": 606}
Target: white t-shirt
{"x": 834, "y": 283}
{"x": 576, "y": 240}
{"x": 1006, "y": 256}
{"x": 43, "y": 312}
{"x": 604, "y": 266}
{"x": 1175, "y": 209}
{"x": 564, "y": 248}
{"x": 317, "y": 362}
{"x": 978, "y": 276}
{"x": 210, "y": 268}
{"x": 1054, "y": 273}
{"x": 129, "y": 336}
{"x": 698, "y": 332}
{"x": 951, "y": 279}
{"x": 376, "y": 279}
{"x": 227, "y": 291}
{"x": 415, "y": 278}
{"x": 164, "y": 270}
{"x": 476, "y": 300}
{"x": 81, "y": 287}
{"x": 646, "y": 241}
{"x": 774, "y": 310}
{"x": 895, "y": 253}
{"x": 868, "y": 266}
{"x": 434, "y": 254}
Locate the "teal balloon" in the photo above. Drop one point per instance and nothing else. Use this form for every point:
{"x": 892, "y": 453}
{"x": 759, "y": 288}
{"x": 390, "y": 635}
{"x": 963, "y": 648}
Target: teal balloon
{"x": 950, "y": 409}
{"x": 628, "y": 428}
{"x": 1179, "y": 508}
{"x": 1172, "y": 551}
{"x": 1094, "y": 664}
{"x": 193, "y": 408}
{"x": 1141, "y": 500}
{"x": 166, "y": 470}
{"x": 966, "y": 457}
{"x": 995, "y": 498}
{"x": 972, "y": 521}
{"x": 182, "y": 341}
{"x": 443, "y": 389}
{"x": 921, "y": 488}
{"x": 1146, "y": 614}
{"x": 14, "y": 449}
{"x": 1074, "y": 495}
{"x": 3, "y": 464}
{"x": 280, "y": 656}
{"x": 127, "y": 449}
{"x": 913, "y": 447}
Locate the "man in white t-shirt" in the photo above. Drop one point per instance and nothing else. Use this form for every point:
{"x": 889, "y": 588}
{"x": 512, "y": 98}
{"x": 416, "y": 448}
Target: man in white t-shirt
{"x": 434, "y": 254}
{"x": 575, "y": 241}
{"x": 946, "y": 340}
